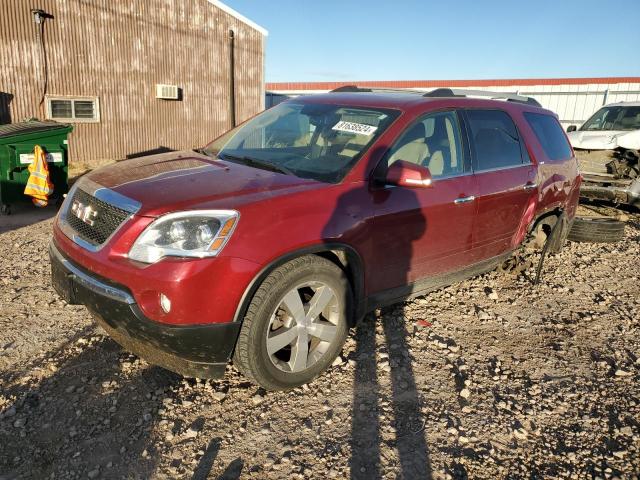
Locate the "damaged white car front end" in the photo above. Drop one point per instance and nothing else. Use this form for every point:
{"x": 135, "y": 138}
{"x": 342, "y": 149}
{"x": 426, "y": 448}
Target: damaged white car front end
{"x": 604, "y": 140}
{"x": 612, "y": 175}
{"x": 613, "y": 126}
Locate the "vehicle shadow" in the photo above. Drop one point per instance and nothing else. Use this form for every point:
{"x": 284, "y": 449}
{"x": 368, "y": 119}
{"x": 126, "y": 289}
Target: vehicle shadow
{"x": 5, "y": 110}
{"x": 87, "y": 415}
{"x": 24, "y": 214}
{"x": 408, "y": 425}
{"x": 202, "y": 471}
{"x": 91, "y": 409}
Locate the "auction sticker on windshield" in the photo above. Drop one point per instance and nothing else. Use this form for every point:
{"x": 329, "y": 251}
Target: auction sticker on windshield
{"x": 351, "y": 127}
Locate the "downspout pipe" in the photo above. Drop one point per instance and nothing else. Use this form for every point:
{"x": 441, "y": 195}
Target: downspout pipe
{"x": 232, "y": 77}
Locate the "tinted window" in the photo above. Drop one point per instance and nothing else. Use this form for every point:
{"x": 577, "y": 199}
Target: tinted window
{"x": 434, "y": 141}
{"x": 550, "y": 135}
{"x": 494, "y": 138}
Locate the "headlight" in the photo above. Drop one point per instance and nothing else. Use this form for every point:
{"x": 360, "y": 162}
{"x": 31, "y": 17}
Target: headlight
{"x": 197, "y": 233}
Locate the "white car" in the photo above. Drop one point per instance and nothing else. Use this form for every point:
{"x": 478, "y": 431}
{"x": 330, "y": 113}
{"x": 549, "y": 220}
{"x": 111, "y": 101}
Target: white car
{"x": 615, "y": 125}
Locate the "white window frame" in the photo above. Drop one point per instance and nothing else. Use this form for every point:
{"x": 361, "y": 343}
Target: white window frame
{"x": 72, "y": 98}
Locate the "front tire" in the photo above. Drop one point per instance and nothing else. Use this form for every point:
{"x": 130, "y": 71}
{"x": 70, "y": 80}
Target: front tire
{"x": 296, "y": 324}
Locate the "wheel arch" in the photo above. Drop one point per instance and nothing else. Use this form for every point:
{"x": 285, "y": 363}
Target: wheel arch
{"x": 547, "y": 221}
{"x": 344, "y": 256}
{"x": 548, "y": 218}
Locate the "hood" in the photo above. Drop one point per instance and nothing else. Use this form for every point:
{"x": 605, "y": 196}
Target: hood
{"x": 629, "y": 140}
{"x": 604, "y": 139}
{"x": 188, "y": 180}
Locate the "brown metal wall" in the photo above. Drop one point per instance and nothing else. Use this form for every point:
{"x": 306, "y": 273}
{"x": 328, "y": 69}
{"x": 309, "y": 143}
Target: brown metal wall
{"x": 118, "y": 50}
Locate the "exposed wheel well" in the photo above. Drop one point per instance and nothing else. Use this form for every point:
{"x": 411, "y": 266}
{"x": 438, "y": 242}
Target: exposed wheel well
{"x": 542, "y": 228}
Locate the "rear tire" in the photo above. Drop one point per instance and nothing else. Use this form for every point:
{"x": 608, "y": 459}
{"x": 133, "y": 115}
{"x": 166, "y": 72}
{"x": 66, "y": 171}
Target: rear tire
{"x": 596, "y": 230}
{"x": 282, "y": 347}
{"x": 558, "y": 234}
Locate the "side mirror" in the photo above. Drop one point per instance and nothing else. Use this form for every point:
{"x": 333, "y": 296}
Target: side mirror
{"x": 407, "y": 174}
{"x": 571, "y": 128}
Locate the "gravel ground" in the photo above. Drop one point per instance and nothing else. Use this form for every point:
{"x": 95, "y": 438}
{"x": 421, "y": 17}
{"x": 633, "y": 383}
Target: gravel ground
{"x": 490, "y": 378}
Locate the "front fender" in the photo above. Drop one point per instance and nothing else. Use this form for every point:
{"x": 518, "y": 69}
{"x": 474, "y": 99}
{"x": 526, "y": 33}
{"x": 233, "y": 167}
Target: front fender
{"x": 354, "y": 265}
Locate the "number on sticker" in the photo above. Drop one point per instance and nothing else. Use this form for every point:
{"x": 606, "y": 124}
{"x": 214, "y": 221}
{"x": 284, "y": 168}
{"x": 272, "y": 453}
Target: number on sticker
{"x": 352, "y": 127}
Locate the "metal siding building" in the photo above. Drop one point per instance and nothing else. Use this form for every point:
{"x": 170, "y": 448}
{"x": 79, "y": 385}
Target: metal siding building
{"x": 573, "y": 99}
{"x": 116, "y": 51}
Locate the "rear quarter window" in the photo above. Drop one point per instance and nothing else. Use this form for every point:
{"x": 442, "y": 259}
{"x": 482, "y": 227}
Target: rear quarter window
{"x": 550, "y": 135}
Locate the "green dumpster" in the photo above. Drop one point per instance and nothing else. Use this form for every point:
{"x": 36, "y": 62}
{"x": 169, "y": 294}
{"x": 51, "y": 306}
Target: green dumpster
{"x": 17, "y": 142}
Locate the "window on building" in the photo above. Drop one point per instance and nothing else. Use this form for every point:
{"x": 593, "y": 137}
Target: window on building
{"x": 73, "y": 109}
{"x": 494, "y": 139}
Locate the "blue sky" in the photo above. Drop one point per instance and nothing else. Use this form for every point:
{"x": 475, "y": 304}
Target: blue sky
{"x": 326, "y": 40}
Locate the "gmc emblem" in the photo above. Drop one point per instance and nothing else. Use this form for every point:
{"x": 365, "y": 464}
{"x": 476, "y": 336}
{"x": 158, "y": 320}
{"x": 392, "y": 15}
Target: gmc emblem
{"x": 84, "y": 212}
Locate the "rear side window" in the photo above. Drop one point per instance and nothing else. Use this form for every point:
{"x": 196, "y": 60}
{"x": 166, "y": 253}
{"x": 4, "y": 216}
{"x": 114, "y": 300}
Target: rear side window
{"x": 495, "y": 140}
{"x": 550, "y": 135}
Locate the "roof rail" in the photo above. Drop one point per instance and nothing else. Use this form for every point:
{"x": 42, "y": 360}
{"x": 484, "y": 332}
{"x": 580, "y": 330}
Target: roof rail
{"x": 456, "y": 92}
{"x": 443, "y": 92}
{"x": 350, "y": 88}
{"x": 355, "y": 88}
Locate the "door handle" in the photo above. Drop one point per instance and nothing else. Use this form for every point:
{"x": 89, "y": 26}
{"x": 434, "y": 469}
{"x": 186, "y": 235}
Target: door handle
{"x": 530, "y": 186}
{"x": 468, "y": 199}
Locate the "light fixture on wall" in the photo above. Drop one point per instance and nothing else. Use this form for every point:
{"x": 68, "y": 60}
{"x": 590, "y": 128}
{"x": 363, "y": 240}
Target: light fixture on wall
{"x": 39, "y": 18}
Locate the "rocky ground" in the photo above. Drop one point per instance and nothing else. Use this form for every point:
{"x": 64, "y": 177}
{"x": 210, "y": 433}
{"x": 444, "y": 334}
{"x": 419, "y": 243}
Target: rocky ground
{"x": 491, "y": 378}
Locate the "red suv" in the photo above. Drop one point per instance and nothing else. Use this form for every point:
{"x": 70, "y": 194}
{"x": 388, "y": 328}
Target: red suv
{"x": 266, "y": 246}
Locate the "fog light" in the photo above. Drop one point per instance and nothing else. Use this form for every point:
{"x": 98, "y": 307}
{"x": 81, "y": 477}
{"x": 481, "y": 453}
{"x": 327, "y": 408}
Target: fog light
{"x": 165, "y": 303}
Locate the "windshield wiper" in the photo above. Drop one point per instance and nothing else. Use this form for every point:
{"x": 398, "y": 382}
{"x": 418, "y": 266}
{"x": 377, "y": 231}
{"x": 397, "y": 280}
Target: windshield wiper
{"x": 255, "y": 162}
{"x": 202, "y": 151}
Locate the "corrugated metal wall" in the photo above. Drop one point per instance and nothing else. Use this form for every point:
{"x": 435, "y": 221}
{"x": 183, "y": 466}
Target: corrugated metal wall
{"x": 574, "y": 100}
{"x": 118, "y": 50}
{"x": 574, "y": 103}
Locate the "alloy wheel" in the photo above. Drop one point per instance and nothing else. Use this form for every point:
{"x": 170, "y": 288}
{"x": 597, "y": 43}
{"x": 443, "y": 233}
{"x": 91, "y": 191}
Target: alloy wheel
{"x": 303, "y": 327}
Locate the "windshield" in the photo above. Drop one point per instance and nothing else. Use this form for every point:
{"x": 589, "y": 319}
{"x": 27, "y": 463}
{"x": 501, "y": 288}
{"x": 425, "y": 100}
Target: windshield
{"x": 315, "y": 141}
{"x": 614, "y": 118}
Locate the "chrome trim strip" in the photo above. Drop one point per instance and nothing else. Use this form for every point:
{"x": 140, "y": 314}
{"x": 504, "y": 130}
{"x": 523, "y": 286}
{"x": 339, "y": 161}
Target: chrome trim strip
{"x": 468, "y": 199}
{"x": 467, "y": 173}
{"x": 101, "y": 193}
{"x": 109, "y": 196}
{"x": 117, "y": 200}
{"x": 497, "y": 169}
{"x": 91, "y": 283}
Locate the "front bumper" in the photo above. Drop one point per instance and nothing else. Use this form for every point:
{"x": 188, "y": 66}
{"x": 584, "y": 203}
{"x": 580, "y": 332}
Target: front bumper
{"x": 600, "y": 187}
{"x": 201, "y": 351}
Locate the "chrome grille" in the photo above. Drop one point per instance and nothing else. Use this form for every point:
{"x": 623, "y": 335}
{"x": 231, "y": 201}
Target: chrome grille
{"x": 107, "y": 219}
